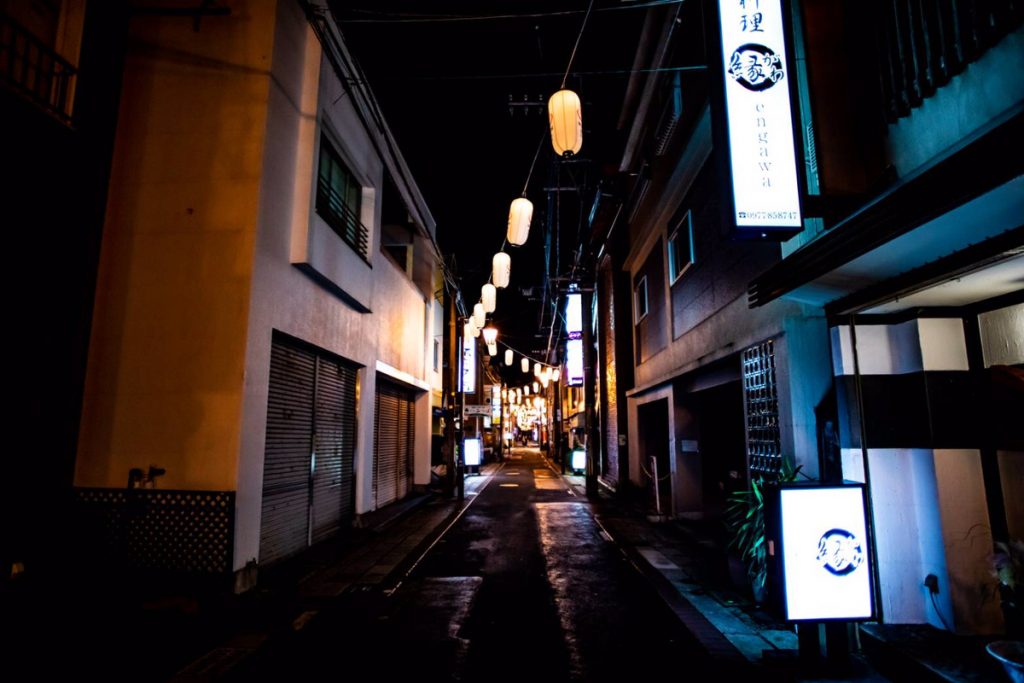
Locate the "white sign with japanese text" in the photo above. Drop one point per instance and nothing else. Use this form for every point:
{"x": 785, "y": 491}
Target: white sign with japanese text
{"x": 469, "y": 365}
{"x": 760, "y": 118}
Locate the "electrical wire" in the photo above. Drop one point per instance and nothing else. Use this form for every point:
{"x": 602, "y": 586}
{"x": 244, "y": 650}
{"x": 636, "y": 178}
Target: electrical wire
{"x": 408, "y": 18}
{"x": 935, "y": 606}
{"x": 579, "y": 36}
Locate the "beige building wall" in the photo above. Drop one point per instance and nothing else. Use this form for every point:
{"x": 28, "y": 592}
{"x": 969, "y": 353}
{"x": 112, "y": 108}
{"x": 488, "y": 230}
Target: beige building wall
{"x": 166, "y": 361}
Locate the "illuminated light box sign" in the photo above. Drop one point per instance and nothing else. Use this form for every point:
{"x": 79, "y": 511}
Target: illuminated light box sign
{"x": 579, "y": 460}
{"x": 574, "y": 362}
{"x": 472, "y": 450}
{"x": 765, "y": 190}
{"x": 468, "y": 365}
{"x": 574, "y": 315}
{"x": 820, "y": 551}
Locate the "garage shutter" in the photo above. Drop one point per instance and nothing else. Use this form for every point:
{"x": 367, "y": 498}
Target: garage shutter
{"x": 308, "y": 473}
{"x": 393, "y": 443}
{"x": 285, "y": 521}
{"x": 333, "y": 448}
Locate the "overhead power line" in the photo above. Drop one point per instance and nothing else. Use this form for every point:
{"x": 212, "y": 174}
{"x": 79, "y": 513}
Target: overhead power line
{"x": 406, "y": 18}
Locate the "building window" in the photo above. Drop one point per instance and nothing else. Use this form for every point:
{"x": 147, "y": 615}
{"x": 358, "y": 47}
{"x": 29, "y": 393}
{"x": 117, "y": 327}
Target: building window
{"x": 640, "y": 299}
{"x": 339, "y": 199}
{"x": 680, "y": 248}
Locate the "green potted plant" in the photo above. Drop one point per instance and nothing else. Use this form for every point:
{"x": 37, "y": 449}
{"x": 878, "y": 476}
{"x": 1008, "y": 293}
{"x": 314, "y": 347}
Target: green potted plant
{"x": 744, "y": 517}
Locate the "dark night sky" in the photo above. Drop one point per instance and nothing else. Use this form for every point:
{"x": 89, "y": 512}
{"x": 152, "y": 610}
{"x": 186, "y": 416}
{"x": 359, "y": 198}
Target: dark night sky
{"x": 444, "y": 88}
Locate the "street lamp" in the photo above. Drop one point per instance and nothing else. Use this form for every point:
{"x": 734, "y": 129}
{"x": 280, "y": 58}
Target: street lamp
{"x": 491, "y": 339}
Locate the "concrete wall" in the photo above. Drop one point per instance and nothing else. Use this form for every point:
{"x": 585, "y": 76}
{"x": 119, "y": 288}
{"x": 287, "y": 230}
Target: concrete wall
{"x": 1002, "y": 335}
{"x": 929, "y": 507}
{"x": 986, "y": 90}
{"x": 166, "y": 361}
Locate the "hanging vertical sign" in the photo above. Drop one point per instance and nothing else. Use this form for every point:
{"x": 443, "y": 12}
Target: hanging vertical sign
{"x": 574, "y": 332}
{"x": 468, "y": 384}
{"x": 759, "y": 119}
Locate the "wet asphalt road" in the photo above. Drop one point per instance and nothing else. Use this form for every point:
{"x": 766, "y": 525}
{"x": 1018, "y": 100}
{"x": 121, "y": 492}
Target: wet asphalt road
{"x": 523, "y": 586}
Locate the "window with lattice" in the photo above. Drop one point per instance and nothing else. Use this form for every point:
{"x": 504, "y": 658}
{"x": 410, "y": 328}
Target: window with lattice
{"x": 761, "y": 402}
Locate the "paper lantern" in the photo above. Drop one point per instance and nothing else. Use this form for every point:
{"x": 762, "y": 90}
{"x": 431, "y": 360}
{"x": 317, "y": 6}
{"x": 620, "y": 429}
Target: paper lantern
{"x": 566, "y": 119}
{"x": 525, "y": 364}
{"x": 489, "y": 297}
{"x": 479, "y": 316}
{"x": 492, "y": 349}
{"x": 509, "y": 356}
{"x": 519, "y": 216}
{"x": 501, "y": 269}
{"x": 490, "y": 335}
{"x": 536, "y": 369}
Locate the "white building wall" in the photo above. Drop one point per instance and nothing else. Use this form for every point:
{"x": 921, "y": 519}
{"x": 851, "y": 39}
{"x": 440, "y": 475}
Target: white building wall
{"x": 291, "y": 237}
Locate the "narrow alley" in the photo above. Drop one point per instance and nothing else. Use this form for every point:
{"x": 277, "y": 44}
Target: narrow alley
{"x": 523, "y": 585}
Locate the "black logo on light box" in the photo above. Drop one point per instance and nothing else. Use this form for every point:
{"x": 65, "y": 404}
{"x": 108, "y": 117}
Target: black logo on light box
{"x": 840, "y": 552}
{"x": 755, "y": 67}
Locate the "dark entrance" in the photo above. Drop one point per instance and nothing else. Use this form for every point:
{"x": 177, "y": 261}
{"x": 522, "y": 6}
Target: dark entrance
{"x": 652, "y": 420}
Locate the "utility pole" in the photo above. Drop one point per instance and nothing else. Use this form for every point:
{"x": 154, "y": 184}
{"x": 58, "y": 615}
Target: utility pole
{"x": 449, "y": 389}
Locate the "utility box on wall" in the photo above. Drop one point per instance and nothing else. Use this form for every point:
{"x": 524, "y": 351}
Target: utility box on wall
{"x": 820, "y": 564}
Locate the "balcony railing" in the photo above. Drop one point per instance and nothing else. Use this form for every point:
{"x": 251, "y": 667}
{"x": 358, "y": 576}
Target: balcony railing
{"x": 32, "y": 69}
{"x": 922, "y": 45}
{"x": 336, "y": 213}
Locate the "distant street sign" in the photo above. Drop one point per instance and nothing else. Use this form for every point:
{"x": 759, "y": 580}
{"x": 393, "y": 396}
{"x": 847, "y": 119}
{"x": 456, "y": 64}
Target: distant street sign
{"x": 476, "y": 409}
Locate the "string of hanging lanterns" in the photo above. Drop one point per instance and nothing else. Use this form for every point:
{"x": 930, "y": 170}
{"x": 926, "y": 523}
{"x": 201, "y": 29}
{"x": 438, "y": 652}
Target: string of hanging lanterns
{"x": 565, "y": 124}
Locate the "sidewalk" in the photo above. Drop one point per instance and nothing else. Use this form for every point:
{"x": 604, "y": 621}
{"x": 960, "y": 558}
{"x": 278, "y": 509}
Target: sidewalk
{"x": 389, "y": 543}
{"x": 684, "y": 562}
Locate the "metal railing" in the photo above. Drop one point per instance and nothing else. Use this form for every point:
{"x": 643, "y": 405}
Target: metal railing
{"x": 922, "y": 45}
{"x": 32, "y": 69}
{"x": 337, "y": 214}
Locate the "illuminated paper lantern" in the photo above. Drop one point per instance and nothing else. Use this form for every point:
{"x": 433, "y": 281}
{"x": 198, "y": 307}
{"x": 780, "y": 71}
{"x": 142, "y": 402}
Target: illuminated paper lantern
{"x": 479, "y": 316}
{"x": 519, "y": 216}
{"x": 501, "y": 269}
{"x": 566, "y": 119}
{"x": 509, "y": 356}
{"x": 525, "y": 364}
{"x": 489, "y": 297}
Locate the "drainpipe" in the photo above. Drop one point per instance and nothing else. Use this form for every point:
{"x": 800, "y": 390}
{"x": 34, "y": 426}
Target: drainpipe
{"x": 862, "y": 426}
